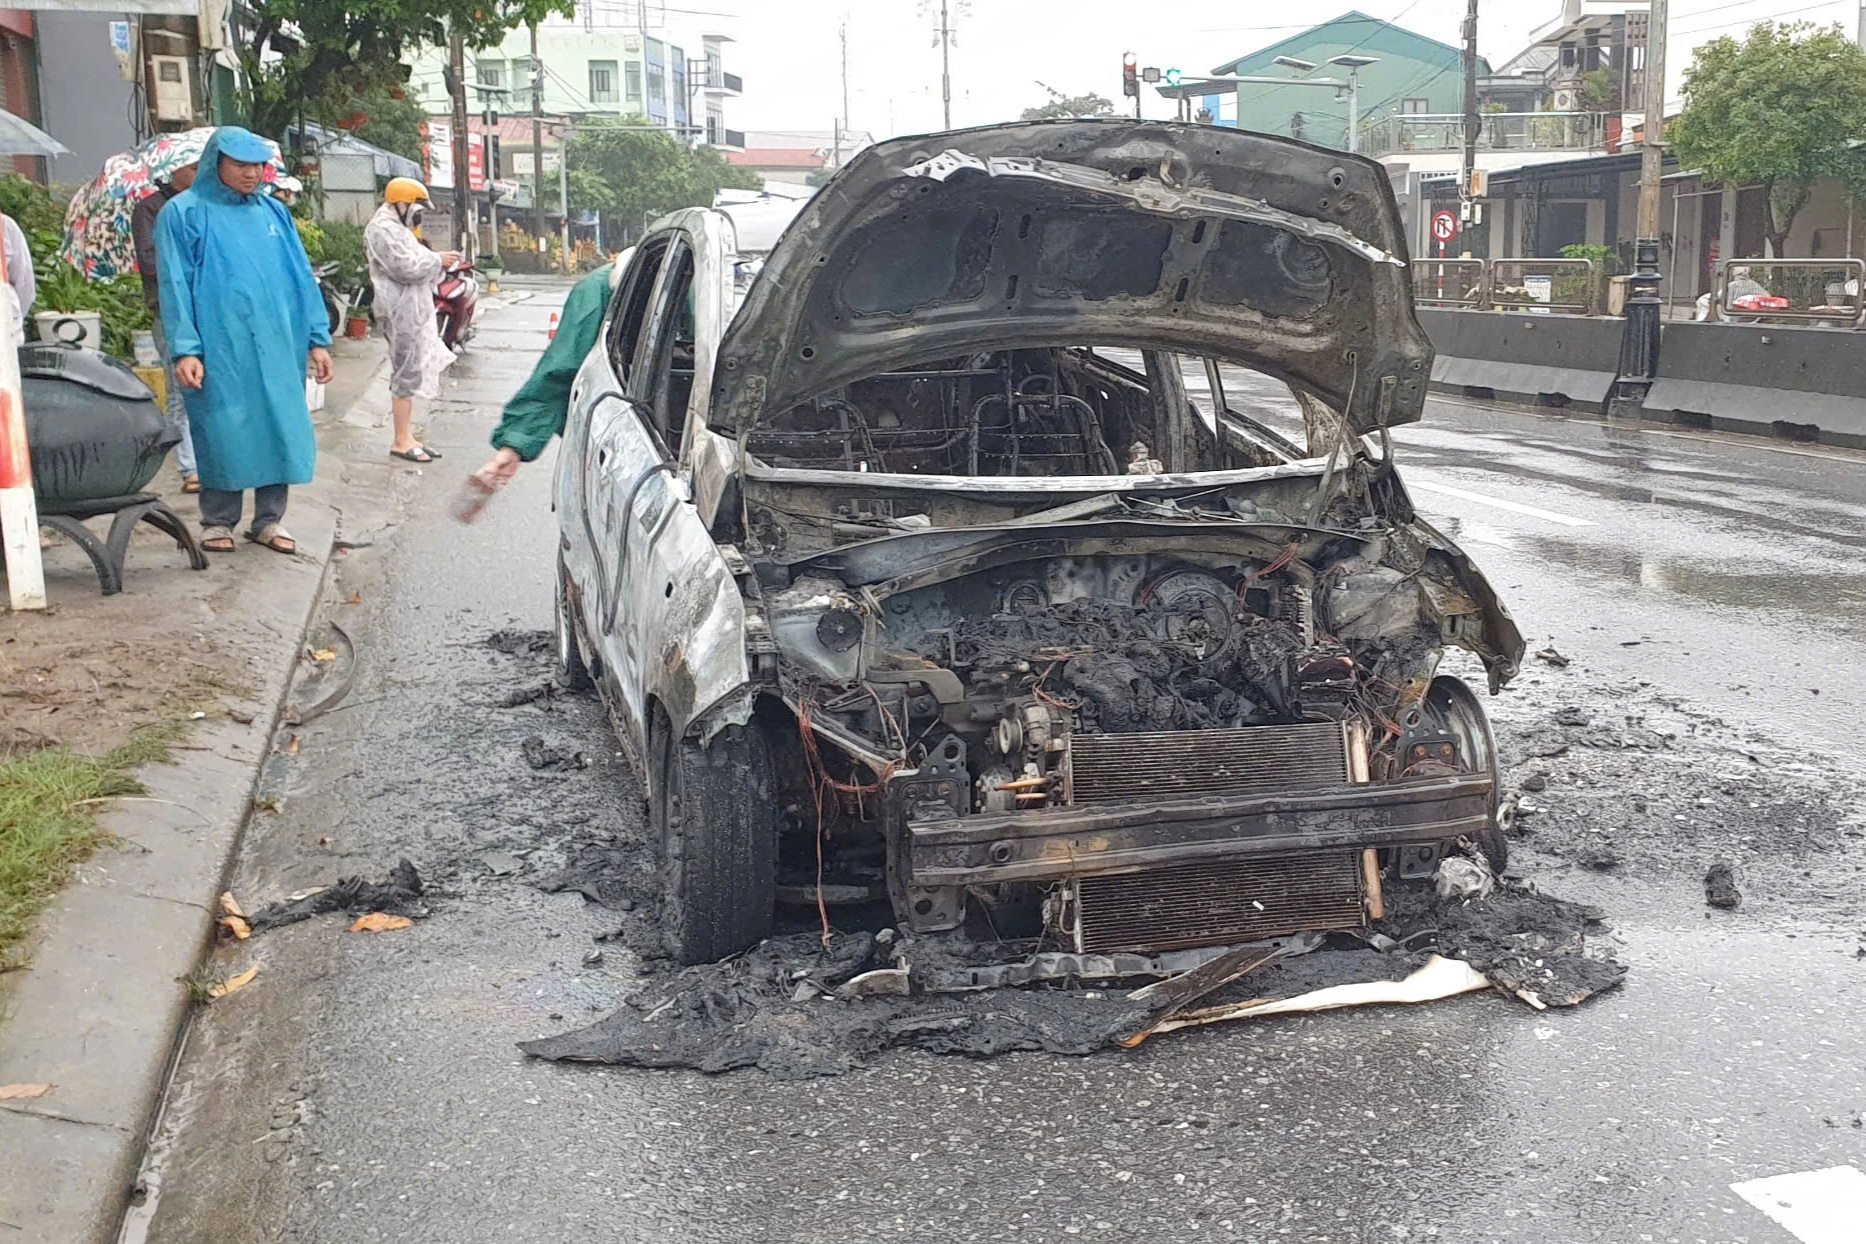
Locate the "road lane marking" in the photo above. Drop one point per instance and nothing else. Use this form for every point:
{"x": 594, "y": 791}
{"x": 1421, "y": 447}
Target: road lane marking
{"x": 1566, "y": 520}
{"x": 1738, "y": 441}
{"x": 1816, "y": 1207}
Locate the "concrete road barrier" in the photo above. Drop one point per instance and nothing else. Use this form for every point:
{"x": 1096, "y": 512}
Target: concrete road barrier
{"x": 1797, "y": 383}
{"x": 1539, "y": 360}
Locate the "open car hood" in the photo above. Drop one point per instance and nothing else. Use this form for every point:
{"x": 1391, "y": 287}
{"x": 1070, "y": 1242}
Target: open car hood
{"x": 1261, "y": 251}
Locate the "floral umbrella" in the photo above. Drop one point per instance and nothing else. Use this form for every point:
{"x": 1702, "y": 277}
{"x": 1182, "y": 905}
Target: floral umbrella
{"x": 97, "y": 224}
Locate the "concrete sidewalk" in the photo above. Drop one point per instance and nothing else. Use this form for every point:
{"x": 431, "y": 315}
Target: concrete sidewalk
{"x": 97, "y": 1012}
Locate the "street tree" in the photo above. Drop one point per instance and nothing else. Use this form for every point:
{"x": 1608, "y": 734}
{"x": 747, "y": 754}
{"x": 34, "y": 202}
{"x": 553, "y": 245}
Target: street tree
{"x": 632, "y": 172}
{"x": 296, "y": 52}
{"x": 1780, "y": 110}
{"x": 1063, "y": 107}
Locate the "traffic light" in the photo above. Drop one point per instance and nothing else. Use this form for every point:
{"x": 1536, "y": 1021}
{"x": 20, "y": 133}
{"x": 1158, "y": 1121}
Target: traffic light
{"x": 1130, "y": 75}
{"x": 1150, "y": 75}
{"x": 1173, "y": 77}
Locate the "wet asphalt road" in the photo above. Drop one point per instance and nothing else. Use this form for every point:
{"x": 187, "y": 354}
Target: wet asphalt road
{"x": 367, "y": 1087}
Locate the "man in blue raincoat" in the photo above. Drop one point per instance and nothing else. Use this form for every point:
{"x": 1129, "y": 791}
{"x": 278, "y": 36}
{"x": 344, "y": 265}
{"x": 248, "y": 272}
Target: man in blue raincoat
{"x": 242, "y": 313}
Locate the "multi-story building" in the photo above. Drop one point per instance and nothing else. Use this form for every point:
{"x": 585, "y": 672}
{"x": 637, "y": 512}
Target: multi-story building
{"x": 600, "y": 63}
{"x": 1566, "y": 97}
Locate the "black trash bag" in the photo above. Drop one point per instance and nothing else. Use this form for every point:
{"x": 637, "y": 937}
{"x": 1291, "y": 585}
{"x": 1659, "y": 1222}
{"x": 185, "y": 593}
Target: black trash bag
{"x": 93, "y": 427}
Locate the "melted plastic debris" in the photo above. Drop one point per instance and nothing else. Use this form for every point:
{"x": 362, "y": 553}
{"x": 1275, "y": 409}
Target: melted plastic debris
{"x": 778, "y": 1008}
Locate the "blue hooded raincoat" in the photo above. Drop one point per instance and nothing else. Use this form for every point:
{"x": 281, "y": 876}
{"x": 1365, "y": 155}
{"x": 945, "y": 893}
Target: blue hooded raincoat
{"x": 237, "y": 292}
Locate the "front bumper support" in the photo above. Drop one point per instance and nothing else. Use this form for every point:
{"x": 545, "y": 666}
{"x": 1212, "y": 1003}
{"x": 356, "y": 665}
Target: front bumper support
{"x": 1059, "y": 843}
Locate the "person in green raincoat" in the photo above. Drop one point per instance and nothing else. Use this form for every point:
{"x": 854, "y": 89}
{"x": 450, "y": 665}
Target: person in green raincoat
{"x": 242, "y": 314}
{"x": 538, "y": 410}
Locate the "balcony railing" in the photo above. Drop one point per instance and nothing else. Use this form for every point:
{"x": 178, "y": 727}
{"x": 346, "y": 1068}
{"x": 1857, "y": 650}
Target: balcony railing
{"x": 1501, "y": 131}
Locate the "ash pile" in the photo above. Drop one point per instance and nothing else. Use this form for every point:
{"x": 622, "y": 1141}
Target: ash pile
{"x": 805, "y": 1005}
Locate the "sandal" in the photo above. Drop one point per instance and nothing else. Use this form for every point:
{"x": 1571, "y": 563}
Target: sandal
{"x": 274, "y": 537}
{"x": 191, "y": 483}
{"x": 217, "y": 539}
{"x": 420, "y": 453}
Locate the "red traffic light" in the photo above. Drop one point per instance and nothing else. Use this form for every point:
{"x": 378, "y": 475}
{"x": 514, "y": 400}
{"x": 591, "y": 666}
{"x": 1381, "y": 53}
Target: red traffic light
{"x": 1130, "y": 76}
{"x": 1128, "y": 62}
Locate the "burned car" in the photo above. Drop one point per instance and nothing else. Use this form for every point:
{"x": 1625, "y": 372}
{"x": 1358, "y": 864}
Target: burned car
{"x": 938, "y": 569}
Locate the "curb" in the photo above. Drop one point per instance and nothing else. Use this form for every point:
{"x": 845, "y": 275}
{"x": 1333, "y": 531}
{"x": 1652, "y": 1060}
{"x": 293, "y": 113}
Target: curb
{"x": 98, "y": 1013}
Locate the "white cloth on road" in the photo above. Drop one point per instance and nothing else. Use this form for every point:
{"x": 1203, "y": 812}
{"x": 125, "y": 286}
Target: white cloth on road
{"x": 404, "y": 273}
{"x": 22, "y": 282}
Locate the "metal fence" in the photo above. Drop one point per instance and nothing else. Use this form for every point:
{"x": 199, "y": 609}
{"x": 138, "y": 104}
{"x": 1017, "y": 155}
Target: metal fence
{"x": 1564, "y": 286}
{"x": 1824, "y": 293}
{"x": 1449, "y": 282}
{"x": 1500, "y": 131}
{"x": 1539, "y": 286}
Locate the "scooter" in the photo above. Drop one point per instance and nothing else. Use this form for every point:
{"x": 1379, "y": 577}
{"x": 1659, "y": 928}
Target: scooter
{"x": 339, "y": 302}
{"x": 455, "y": 300}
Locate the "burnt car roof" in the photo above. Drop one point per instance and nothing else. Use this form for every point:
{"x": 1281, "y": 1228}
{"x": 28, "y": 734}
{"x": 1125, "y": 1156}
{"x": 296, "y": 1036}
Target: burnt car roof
{"x": 1259, "y": 250}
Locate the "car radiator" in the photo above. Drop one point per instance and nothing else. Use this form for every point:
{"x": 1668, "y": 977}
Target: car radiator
{"x": 1106, "y": 768}
{"x": 1218, "y": 902}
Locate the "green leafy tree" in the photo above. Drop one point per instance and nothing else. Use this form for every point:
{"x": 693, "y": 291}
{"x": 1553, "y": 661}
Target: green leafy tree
{"x": 631, "y": 173}
{"x": 1779, "y": 110}
{"x": 297, "y": 51}
{"x": 392, "y": 123}
{"x": 1065, "y": 106}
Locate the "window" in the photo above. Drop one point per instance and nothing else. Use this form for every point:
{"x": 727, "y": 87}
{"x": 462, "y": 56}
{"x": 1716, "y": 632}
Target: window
{"x": 1415, "y": 105}
{"x": 490, "y": 72}
{"x": 633, "y": 71}
{"x": 629, "y": 309}
{"x": 664, "y": 380}
{"x": 602, "y": 82}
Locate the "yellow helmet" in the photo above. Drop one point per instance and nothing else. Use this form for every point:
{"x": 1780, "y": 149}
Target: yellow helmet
{"x": 405, "y": 190}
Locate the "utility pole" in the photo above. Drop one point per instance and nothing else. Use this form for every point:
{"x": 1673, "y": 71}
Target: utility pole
{"x": 537, "y": 138}
{"x": 1639, "y": 343}
{"x": 489, "y": 159}
{"x": 563, "y": 190}
{"x": 464, "y": 222}
{"x": 945, "y": 61}
{"x": 1472, "y": 122}
{"x": 647, "y": 85}
{"x": 845, "y": 92}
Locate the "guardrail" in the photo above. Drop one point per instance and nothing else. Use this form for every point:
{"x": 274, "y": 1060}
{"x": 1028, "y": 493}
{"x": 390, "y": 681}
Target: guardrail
{"x": 1501, "y": 131}
{"x": 1538, "y": 286}
{"x": 1450, "y": 282}
{"x": 1566, "y": 286}
{"x": 1823, "y": 293}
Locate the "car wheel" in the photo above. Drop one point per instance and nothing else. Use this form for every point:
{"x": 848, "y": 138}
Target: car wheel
{"x": 571, "y": 670}
{"x": 1455, "y": 709}
{"x": 714, "y": 811}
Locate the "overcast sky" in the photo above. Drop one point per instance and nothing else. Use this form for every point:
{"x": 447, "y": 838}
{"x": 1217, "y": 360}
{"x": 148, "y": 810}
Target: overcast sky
{"x": 789, "y": 55}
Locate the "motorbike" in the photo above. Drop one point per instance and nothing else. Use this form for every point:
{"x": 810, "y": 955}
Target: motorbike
{"x": 455, "y": 300}
{"x": 339, "y": 302}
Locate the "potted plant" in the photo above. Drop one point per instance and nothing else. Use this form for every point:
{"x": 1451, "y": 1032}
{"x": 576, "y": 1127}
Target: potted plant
{"x": 357, "y": 324}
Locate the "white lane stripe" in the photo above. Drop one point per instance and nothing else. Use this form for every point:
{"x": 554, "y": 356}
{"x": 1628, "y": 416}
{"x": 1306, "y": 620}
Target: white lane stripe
{"x": 1816, "y": 1207}
{"x": 1566, "y": 520}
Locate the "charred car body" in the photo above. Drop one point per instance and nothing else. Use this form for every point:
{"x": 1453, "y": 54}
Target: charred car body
{"x": 921, "y": 574}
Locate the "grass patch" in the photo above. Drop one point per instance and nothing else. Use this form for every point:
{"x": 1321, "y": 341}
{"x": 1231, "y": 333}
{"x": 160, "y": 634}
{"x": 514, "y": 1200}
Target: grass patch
{"x": 49, "y": 802}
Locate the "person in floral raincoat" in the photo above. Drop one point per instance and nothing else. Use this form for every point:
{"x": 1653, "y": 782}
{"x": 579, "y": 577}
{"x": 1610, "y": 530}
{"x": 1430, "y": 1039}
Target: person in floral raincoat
{"x": 404, "y": 273}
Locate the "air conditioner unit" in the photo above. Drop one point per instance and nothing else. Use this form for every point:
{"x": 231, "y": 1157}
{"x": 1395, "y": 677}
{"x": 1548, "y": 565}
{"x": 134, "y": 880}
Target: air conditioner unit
{"x": 174, "y": 88}
{"x": 1565, "y": 101}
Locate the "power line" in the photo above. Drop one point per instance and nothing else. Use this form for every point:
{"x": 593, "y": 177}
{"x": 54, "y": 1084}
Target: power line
{"x": 1753, "y": 21}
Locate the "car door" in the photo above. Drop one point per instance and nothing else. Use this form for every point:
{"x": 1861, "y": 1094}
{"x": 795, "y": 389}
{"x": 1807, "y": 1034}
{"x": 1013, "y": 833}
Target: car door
{"x": 679, "y": 623}
{"x": 597, "y": 439}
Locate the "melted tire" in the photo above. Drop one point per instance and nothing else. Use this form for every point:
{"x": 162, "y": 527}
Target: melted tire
{"x": 1495, "y": 848}
{"x": 572, "y": 673}
{"x": 714, "y": 810}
